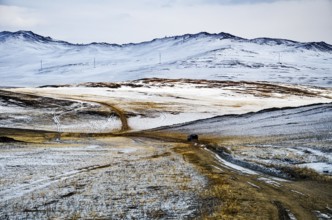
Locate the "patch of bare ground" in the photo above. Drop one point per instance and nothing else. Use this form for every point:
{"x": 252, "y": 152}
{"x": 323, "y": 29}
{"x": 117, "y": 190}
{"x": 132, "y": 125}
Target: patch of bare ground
{"x": 101, "y": 85}
{"x": 234, "y": 196}
{"x": 261, "y": 89}
{"x": 121, "y": 114}
{"x": 31, "y": 100}
{"x": 26, "y": 135}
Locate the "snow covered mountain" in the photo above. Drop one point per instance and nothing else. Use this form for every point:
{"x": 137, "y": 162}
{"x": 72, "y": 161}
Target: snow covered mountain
{"x": 28, "y": 59}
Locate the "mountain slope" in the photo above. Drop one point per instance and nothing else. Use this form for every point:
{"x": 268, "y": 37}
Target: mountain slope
{"x": 28, "y": 59}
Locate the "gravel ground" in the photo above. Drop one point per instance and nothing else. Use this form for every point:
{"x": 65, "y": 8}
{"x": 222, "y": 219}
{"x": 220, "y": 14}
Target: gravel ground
{"x": 116, "y": 178}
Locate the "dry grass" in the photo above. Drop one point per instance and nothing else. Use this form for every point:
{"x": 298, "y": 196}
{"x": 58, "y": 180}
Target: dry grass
{"x": 226, "y": 196}
{"x": 253, "y": 149}
{"x": 143, "y": 106}
{"x": 304, "y": 173}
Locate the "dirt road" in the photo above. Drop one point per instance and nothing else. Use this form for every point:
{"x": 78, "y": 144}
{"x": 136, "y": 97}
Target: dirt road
{"x": 232, "y": 192}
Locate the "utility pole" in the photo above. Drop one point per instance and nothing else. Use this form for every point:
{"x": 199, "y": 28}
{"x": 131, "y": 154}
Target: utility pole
{"x": 94, "y": 62}
{"x": 159, "y": 57}
{"x": 279, "y": 59}
{"x": 41, "y": 65}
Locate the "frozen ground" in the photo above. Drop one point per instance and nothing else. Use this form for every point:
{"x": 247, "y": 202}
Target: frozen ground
{"x": 291, "y": 136}
{"x": 28, "y": 59}
{"x": 69, "y": 164}
{"x": 150, "y": 103}
{"x": 116, "y": 178}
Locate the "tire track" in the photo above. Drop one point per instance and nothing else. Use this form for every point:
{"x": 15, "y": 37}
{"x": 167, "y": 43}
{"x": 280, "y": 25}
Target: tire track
{"x": 112, "y": 108}
{"x": 23, "y": 189}
{"x": 119, "y": 112}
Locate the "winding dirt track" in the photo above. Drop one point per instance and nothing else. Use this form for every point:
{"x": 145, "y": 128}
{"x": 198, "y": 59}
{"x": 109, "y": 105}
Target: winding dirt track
{"x": 59, "y": 98}
{"x": 120, "y": 113}
{"x": 43, "y": 183}
{"x": 299, "y": 198}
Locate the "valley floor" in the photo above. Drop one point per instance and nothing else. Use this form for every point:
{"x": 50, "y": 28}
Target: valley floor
{"x": 135, "y": 177}
{"x": 79, "y": 152}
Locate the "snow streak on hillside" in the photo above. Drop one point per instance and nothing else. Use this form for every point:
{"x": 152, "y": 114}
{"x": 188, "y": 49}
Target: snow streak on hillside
{"x": 294, "y": 136}
{"x": 28, "y": 59}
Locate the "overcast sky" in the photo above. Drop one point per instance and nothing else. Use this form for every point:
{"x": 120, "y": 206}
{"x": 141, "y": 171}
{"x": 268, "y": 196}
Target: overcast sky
{"x": 124, "y": 21}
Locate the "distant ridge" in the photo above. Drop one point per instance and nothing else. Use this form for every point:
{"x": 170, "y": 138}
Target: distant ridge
{"x": 25, "y": 35}
{"x": 31, "y": 36}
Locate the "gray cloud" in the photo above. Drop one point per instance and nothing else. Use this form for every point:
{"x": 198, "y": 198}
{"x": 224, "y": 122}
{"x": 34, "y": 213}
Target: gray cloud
{"x": 219, "y": 2}
{"x": 241, "y": 1}
{"x": 84, "y": 21}
{"x": 43, "y": 3}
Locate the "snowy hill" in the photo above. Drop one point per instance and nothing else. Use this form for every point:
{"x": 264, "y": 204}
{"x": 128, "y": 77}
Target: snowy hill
{"x": 28, "y": 59}
{"x": 276, "y": 131}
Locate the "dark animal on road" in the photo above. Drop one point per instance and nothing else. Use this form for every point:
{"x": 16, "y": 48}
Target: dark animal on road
{"x": 192, "y": 137}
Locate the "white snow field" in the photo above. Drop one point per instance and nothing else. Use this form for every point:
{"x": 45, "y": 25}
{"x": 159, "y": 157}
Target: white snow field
{"x": 28, "y": 59}
{"x": 152, "y": 103}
